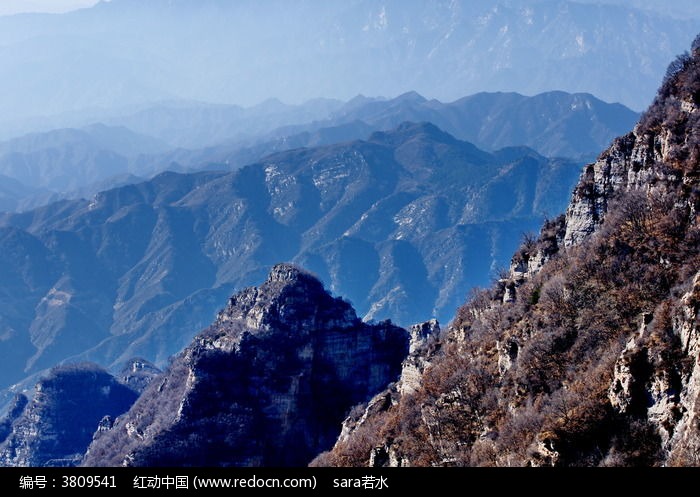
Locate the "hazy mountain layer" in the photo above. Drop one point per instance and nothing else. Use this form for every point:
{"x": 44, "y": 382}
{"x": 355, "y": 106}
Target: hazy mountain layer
{"x": 555, "y": 124}
{"x": 128, "y": 53}
{"x": 77, "y": 163}
{"x": 67, "y": 159}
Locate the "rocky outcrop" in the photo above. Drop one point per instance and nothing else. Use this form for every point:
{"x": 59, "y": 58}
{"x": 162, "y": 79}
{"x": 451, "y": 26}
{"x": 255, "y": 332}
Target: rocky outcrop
{"x": 531, "y": 257}
{"x": 633, "y": 162}
{"x": 422, "y": 336}
{"x": 138, "y": 373}
{"x": 650, "y": 161}
{"x": 661, "y": 382}
{"x": 684, "y": 441}
{"x": 268, "y": 384}
{"x": 57, "y": 425}
{"x": 660, "y": 154}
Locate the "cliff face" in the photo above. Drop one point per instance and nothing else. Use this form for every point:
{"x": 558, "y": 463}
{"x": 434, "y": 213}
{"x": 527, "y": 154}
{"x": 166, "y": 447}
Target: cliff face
{"x": 640, "y": 161}
{"x": 267, "y": 384}
{"x": 587, "y": 352}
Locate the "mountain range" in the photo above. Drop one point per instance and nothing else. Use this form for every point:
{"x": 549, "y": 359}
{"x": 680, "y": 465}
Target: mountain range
{"x": 128, "y": 54}
{"x": 584, "y": 353}
{"x": 288, "y": 361}
{"x": 555, "y": 124}
{"x": 196, "y": 284}
{"x": 403, "y": 224}
{"x": 72, "y": 163}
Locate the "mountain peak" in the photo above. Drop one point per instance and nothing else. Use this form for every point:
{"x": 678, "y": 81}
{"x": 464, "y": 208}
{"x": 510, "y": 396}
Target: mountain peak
{"x": 288, "y": 297}
{"x": 407, "y": 130}
{"x": 412, "y": 97}
{"x": 270, "y": 106}
{"x": 240, "y": 396}
{"x": 285, "y": 272}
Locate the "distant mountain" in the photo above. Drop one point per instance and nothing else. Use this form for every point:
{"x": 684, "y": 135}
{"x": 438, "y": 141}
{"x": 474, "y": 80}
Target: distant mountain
{"x": 403, "y": 224}
{"x": 57, "y": 425}
{"x": 199, "y": 125}
{"x": 77, "y": 163}
{"x": 66, "y": 159}
{"x": 25, "y": 199}
{"x": 555, "y": 124}
{"x": 14, "y": 194}
{"x": 267, "y": 384}
{"x": 132, "y": 54}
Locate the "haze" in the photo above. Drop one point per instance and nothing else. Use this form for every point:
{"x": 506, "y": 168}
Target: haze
{"x": 126, "y": 55}
{"x": 9, "y": 7}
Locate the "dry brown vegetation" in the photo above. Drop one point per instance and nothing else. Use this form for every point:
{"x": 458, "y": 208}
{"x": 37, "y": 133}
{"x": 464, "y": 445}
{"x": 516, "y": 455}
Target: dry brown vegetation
{"x": 563, "y": 335}
{"x": 527, "y": 382}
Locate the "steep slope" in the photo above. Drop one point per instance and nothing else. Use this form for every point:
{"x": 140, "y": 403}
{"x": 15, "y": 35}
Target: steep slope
{"x": 57, "y": 425}
{"x": 266, "y": 385}
{"x": 587, "y": 353}
{"x": 403, "y": 224}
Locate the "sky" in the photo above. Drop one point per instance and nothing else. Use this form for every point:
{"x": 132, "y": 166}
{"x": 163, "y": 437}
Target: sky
{"x": 676, "y": 8}
{"x": 8, "y": 7}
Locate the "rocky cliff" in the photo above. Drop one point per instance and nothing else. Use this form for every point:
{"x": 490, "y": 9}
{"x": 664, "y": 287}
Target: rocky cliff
{"x": 586, "y": 353}
{"x": 269, "y": 383}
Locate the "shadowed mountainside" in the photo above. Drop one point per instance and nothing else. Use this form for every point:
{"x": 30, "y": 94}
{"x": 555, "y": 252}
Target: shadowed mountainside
{"x": 403, "y": 224}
